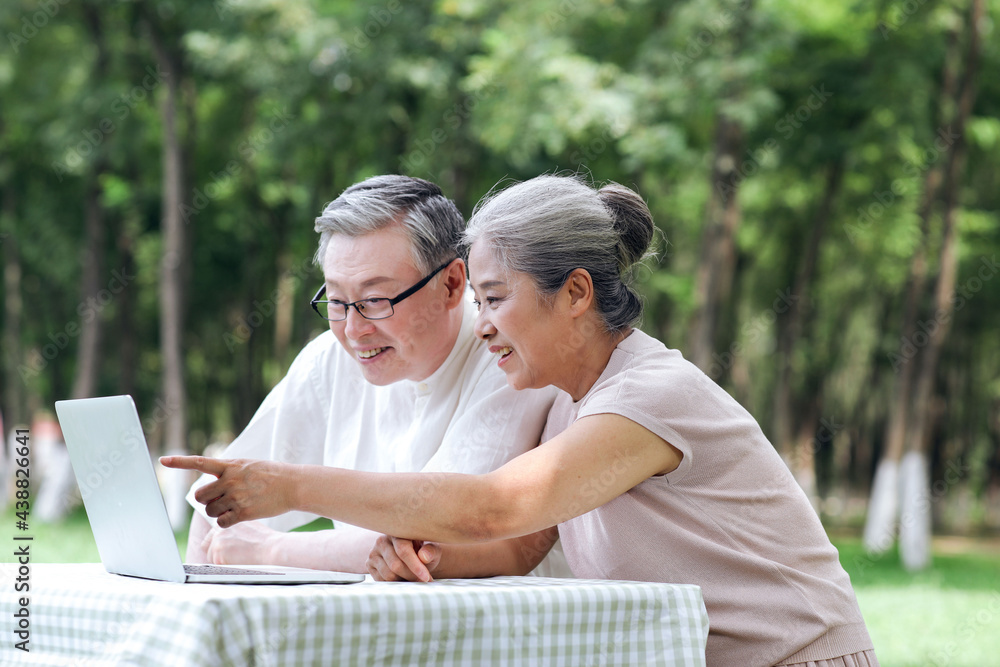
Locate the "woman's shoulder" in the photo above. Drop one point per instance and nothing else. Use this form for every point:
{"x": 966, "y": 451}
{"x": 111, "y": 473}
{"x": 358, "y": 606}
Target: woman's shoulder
{"x": 644, "y": 372}
{"x": 642, "y": 359}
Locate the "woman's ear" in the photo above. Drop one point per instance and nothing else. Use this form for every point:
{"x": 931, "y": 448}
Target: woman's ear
{"x": 579, "y": 287}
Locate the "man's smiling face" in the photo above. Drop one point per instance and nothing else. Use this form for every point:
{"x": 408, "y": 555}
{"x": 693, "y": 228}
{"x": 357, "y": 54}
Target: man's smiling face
{"x": 408, "y": 345}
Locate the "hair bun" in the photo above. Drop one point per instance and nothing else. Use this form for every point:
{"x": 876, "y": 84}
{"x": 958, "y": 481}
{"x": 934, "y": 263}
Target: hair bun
{"x": 632, "y": 220}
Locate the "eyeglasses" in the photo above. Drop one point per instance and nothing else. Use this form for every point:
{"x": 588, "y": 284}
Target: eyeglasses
{"x": 370, "y": 309}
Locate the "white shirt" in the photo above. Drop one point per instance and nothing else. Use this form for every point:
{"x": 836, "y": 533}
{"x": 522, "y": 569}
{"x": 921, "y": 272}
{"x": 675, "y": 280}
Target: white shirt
{"x": 463, "y": 418}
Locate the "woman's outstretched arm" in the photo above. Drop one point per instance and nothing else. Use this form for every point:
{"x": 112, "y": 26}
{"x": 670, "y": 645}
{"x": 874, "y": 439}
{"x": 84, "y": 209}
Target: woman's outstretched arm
{"x": 595, "y": 460}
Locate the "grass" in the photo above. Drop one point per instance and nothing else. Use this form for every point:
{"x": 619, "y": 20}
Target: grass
{"x": 69, "y": 541}
{"x": 946, "y": 615}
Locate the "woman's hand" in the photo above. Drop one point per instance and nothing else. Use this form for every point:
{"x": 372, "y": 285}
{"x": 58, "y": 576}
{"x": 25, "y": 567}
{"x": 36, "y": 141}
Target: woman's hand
{"x": 396, "y": 559}
{"x": 246, "y": 489}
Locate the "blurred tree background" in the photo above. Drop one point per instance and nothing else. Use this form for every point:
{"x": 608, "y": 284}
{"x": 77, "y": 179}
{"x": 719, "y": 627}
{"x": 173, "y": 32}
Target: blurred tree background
{"x": 826, "y": 177}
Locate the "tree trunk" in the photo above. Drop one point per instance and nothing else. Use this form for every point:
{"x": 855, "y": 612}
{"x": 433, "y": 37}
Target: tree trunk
{"x": 915, "y": 533}
{"x": 172, "y": 259}
{"x": 284, "y": 308}
{"x": 803, "y": 459}
{"x": 88, "y": 360}
{"x": 881, "y": 521}
{"x": 89, "y": 350}
{"x": 172, "y": 277}
{"x": 915, "y": 518}
{"x": 14, "y": 405}
{"x": 713, "y": 278}
{"x": 56, "y": 486}
{"x": 792, "y": 328}
{"x": 944, "y": 285}
{"x": 128, "y": 350}
{"x": 717, "y": 264}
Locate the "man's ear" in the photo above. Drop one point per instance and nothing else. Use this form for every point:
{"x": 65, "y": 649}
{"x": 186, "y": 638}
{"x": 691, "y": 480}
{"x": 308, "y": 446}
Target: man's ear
{"x": 455, "y": 282}
{"x": 579, "y": 288}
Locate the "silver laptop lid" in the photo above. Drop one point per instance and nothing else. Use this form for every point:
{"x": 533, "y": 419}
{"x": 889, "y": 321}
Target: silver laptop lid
{"x": 119, "y": 487}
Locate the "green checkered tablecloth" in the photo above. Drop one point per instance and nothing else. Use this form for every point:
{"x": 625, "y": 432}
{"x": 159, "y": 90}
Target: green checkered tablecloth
{"x": 82, "y": 616}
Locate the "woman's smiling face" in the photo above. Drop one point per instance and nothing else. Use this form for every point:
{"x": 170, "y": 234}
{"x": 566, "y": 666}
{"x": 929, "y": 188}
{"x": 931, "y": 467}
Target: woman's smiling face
{"x": 521, "y": 328}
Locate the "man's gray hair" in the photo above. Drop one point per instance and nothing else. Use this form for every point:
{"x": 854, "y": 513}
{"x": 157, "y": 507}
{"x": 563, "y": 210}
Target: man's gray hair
{"x": 550, "y": 225}
{"x": 431, "y": 221}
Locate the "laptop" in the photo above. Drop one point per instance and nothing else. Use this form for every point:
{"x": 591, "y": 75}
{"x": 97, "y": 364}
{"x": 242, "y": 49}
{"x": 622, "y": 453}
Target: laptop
{"x": 126, "y": 510}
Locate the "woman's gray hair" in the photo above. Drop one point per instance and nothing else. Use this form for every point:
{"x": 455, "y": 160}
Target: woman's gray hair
{"x": 551, "y": 225}
{"x": 431, "y": 221}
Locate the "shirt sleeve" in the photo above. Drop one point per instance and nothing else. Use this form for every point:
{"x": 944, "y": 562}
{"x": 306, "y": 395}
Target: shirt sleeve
{"x": 669, "y": 400}
{"x": 496, "y": 424}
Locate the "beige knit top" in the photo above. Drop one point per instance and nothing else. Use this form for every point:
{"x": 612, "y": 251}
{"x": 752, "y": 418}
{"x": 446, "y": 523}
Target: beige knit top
{"x": 730, "y": 518}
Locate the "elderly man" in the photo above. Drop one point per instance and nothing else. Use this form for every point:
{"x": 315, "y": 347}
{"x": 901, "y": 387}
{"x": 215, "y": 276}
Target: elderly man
{"x": 399, "y": 383}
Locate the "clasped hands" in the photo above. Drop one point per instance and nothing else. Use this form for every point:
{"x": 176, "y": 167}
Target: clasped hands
{"x": 399, "y": 559}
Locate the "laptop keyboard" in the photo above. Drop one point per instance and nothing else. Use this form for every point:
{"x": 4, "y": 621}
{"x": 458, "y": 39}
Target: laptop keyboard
{"x": 219, "y": 569}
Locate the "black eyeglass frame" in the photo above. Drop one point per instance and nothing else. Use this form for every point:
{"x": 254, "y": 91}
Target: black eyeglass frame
{"x": 392, "y": 301}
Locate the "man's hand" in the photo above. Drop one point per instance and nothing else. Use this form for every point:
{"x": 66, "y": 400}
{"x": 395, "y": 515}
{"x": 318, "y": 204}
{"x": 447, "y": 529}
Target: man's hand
{"x": 245, "y": 490}
{"x": 245, "y": 544}
{"x": 396, "y": 559}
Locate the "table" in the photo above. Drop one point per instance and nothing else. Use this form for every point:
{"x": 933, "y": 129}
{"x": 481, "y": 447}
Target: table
{"x": 82, "y": 616}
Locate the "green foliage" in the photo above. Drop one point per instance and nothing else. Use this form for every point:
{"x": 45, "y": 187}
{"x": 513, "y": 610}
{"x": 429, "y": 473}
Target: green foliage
{"x": 284, "y": 104}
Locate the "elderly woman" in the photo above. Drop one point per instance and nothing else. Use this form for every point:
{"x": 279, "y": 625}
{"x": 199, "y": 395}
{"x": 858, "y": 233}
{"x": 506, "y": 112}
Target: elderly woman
{"x": 649, "y": 470}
